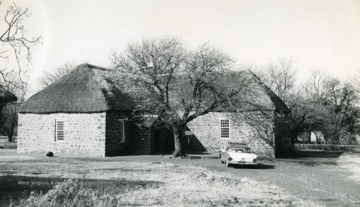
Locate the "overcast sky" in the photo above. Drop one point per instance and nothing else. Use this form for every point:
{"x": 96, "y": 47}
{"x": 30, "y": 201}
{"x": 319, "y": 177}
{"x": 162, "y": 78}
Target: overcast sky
{"x": 318, "y": 34}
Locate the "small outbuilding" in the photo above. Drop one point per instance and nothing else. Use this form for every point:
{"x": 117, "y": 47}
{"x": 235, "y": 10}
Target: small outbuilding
{"x": 84, "y": 113}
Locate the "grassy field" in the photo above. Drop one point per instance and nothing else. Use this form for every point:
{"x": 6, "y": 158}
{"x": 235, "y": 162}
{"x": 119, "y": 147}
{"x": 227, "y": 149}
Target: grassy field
{"x": 105, "y": 182}
{"x": 4, "y": 144}
{"x": 351, "y": 162}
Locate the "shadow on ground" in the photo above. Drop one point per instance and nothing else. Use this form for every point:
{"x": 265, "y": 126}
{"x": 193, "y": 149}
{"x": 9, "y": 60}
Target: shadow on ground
{"x": 313, "y": 163}
{"x": 258, "y": 166}
{"x": 318, "y": 154}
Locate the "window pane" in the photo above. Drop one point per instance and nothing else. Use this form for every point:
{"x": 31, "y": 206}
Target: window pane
{"x": 225, "y": 128}
{"x": 59, "y": 130}
{"x": 224, "y": 123}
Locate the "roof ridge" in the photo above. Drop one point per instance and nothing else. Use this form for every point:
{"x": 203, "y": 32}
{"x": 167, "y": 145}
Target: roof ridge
{"x": 278, "y": 102}
{"x": 91, "y": 66}
{"x": 85, "y": 90}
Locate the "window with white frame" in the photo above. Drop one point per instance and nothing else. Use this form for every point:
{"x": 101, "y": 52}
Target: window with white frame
{"x": 121, "y": 134}
{"x": 59, "y": 130}
{"x": 224, "y": 128}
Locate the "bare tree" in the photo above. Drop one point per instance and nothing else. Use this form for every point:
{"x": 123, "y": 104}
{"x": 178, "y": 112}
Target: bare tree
{"x": 328, "y": 105}
{"x": 181, "y": 85}
{"x": 56, "y": 74}
{"x": 280, "y": 77}
{"x": 340, "y": 100}
{"x": 307, "y": 113}
{"x": 10, "y": 117}
{"x": 355, "y": 81}
{"x": 314, "y": 87}
{"x": 15, "y": 46}
{"x": 15, "y": 53}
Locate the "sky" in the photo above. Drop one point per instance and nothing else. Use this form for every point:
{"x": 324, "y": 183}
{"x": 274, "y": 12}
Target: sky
{"x": 316, "y": 34}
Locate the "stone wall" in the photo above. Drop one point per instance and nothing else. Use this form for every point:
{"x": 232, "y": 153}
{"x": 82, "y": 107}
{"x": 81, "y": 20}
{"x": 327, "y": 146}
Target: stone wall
{"x": 97, "y": 134}
{"x": 114, "y": 144}
{"x": 84, "y": 134}
{"x": 253, "y": 128}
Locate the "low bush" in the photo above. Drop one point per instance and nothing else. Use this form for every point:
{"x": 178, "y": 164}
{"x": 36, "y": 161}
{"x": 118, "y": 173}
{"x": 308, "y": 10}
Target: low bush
{"x": 327, "y": 147}
{"x": 50, "y": 154}
{"x": 84, "y": 193}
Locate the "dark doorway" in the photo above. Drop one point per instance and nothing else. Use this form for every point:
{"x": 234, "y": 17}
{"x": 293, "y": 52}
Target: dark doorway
{"x": 157, "y": 142}
{"x": 162, "y": 141}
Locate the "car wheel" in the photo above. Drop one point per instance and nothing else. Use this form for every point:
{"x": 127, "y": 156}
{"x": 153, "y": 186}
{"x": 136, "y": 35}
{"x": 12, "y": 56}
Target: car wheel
{"x": 227, "y": 163}
{"x": 221, "y": 161}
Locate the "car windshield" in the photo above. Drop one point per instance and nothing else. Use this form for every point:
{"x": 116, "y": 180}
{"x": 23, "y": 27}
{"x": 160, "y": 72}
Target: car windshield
{"x": 239, "y": 150}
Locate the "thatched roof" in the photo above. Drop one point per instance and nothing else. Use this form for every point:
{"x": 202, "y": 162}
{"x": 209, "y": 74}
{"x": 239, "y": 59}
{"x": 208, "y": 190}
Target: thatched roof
{"x": 6, "y": 96}
{"x": 86, "y": 89}
{"x": 256, "y": 95}
{"x": 279, "y": 104}
{"x": 89, "y": 89}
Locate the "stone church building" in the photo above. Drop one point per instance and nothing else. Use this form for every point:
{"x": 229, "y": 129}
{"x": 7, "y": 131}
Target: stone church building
{"x": 86, "y": 113}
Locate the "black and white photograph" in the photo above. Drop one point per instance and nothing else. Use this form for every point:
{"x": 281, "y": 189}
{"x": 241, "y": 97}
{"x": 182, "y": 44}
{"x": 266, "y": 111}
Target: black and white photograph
{"x": 180, "y": 103}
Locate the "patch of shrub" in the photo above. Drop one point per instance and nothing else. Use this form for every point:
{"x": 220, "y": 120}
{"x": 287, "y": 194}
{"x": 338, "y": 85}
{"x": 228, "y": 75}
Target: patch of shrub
{"x": 50, "y": 154}
{"x": 84, "y": 193}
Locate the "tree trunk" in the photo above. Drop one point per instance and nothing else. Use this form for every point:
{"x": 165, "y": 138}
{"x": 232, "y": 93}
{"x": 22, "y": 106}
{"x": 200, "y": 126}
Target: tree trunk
{"x": 317, "y": 138}
{"x": 178, "y": 135}
{"x": 10, "y": 133}
{"x": 335, "y": 138}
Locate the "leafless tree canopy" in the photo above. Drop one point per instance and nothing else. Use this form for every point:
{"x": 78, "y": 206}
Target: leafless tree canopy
{"x": 280, "y": 77}
{"x": 56, "y": 74}
{"x": 320, "y": 104}
{"x": 15, "y": 48}
{"x": 355, "y": 81}
{"x": 315, "y": 85}
{"x": 15, "y": 54}
{"x": 182, "y": 84}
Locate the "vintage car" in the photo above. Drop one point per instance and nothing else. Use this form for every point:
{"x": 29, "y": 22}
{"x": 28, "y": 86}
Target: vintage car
{"x": 237, "y": 154}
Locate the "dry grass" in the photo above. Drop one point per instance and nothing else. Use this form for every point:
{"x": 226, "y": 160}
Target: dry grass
{"x": 83, "y": 193}
{"x": 4, "y": 144}
{"x": 351, "y": 162}
{"x": 170, "y": 185}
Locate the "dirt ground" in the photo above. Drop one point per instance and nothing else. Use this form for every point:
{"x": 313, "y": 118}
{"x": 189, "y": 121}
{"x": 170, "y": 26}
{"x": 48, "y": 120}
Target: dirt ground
{"x": 332, "y": 181}
{"x": 319, "y": 179}
{"x": 327, "y": 180}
